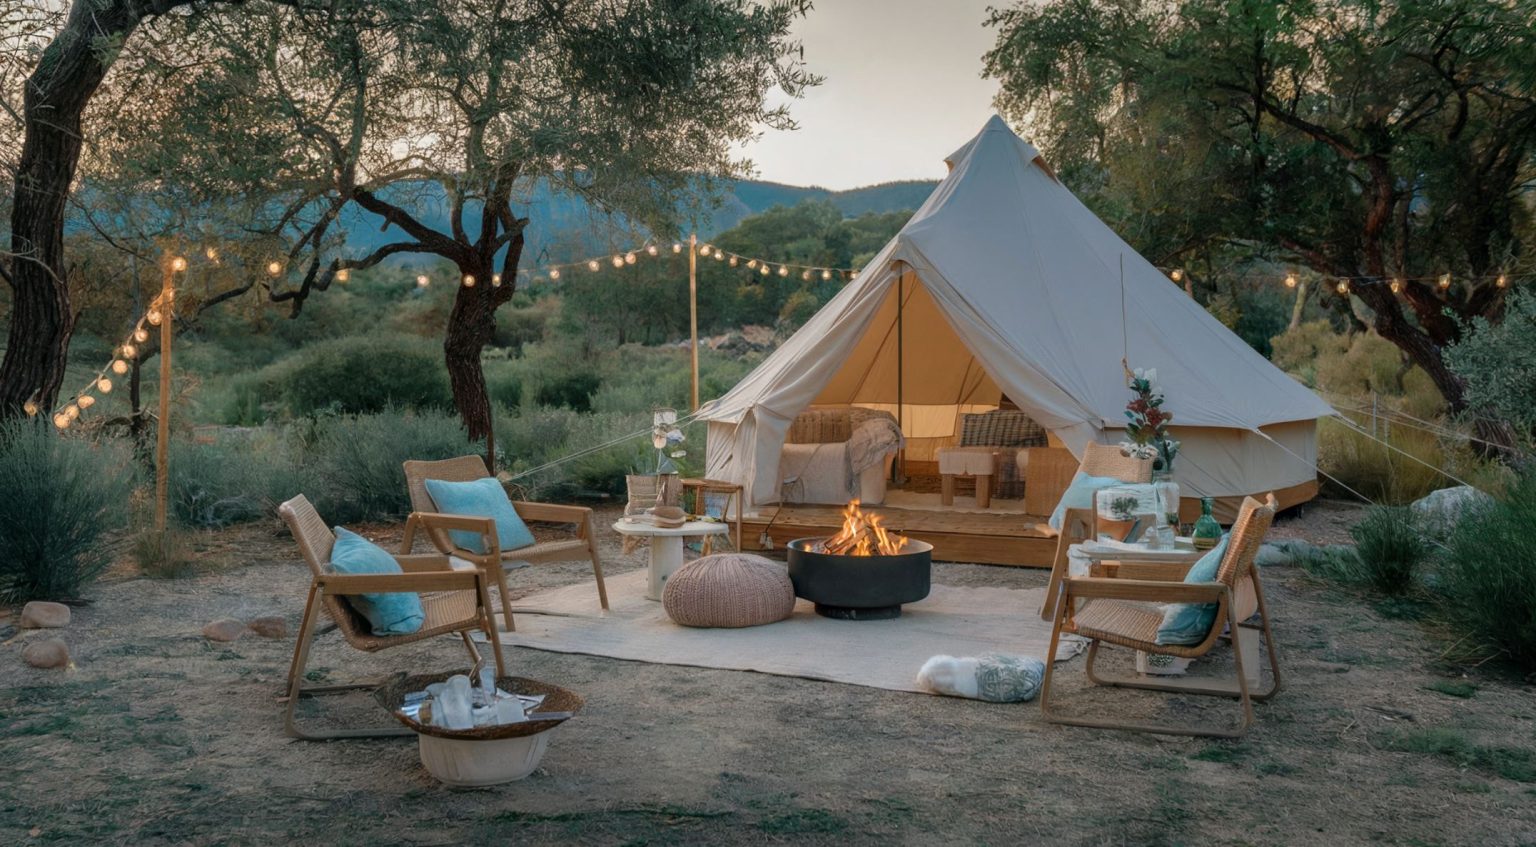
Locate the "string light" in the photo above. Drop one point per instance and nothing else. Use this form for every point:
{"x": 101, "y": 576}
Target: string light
{"x": 422, "y": 281}
{"x": 1445, "y": 282}
{"x": 141, "y": 335}
{"x": 119, "y": 367}
{"x": 733, "y": 261}
{"x": 469, "y": 280}
{"x": 783, "y": 270}
{"x": 651, "y": 250}
{"x": 751, "y": 263}
{"x": 554, "y": 273}
{"x": 61, "y": 421}
{"x": 178, "y": 264}
{"x": 213, "y": 254}
{"x": 806, "y": 276}
{"x": 1177, "y": 275}
{"x": 1396, "y": 285}
{"x": 72, "y": 411}
{"x": 85, "y": 401}
{"x": 495, "y": 280}
{"x": 1501, "y": 282}
{"x": 593, "y": 266}
{"x": 676, "y": 247}
{"x": 129, "y": 351}
{"x": 1290, "y": 280}
{"x": 153, "y": 316}
{"x": 274, "y": 268}
{"x": 719, "y": 256}
{"x": 343, "y": 275}
{"x": 825, "y": 275}
{"x": 629, "y": 258}
{"x": 618, "y": 261}
{"x": 30, "y": 407}
{"x": 765, "y": 269}
{"x": 104, "y": 385}
{"x": 1343, "y": 286}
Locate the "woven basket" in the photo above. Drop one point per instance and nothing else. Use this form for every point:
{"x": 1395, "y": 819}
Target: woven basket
{"x": 391, "y": 695}
{"x": 729, "y": 591}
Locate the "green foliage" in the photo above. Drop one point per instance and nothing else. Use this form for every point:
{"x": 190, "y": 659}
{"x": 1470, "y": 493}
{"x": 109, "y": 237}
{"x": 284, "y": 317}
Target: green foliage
{"x": 1512, "y": 763}
{"x": 237, "y": 479}
{"x": 62, "y": 498}
{"x": 1375, "y": 469}
{"x": 163, "y": 555}
{"x": 1453, "y": 688}
{"x": 1487, "y": 577}
{"x": 1498, "y": 362}
{"x": 1391, "y": 548}
{"x": 572, "y": 391}
{"x": 364, "y": 375}
{"x": 358, "y": 461}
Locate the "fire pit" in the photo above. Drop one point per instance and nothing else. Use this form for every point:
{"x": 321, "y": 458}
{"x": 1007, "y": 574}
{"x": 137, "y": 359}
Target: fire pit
{"x": 864, "y": 572}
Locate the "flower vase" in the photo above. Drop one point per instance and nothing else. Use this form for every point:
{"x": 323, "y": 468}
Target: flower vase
{"x": 1167, "y": 498}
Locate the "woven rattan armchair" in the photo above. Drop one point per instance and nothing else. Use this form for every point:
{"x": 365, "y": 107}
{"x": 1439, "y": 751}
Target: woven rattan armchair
{"x": 1078, "y": 524}
{"x": 458, "y": 602}
{"x": 1119, "y": 608}
{"x": 495, "y": 562}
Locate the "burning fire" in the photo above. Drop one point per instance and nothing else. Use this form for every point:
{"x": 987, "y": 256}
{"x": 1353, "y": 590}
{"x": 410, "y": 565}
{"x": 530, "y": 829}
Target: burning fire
{"x": 863, "y": 535}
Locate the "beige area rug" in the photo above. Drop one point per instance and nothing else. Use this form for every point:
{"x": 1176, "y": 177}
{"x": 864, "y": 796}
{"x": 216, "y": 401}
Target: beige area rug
{"x": 878, "y": 654}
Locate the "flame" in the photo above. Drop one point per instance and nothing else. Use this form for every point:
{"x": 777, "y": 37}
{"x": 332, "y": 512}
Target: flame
{"x": 863, "y": 534}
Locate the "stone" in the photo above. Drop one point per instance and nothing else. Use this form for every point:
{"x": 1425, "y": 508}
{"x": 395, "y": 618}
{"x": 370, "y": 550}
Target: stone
{"x": 40, "y": 614}
{"x": 270, "y": 626}
{"x": 1440, "y": 511}
{"x": 46, "y": 653}
{"x": 226, "y": 629}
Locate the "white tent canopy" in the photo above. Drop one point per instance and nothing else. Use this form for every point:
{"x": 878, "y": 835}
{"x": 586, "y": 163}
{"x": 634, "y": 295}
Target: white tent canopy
{"x": 1004, "y": 283}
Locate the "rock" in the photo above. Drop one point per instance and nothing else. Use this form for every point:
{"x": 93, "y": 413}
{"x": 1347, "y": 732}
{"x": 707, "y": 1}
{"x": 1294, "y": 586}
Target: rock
{"x": 271, "y": 626}
{"x": 46, "y": 653}
{"x": 226, "y": 629}
{"x": 40, "y": 614}
{"x": 1440, "y": 511}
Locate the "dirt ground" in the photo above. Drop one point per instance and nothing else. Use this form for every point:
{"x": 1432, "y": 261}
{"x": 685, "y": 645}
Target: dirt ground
{"x": 161, "y": 737}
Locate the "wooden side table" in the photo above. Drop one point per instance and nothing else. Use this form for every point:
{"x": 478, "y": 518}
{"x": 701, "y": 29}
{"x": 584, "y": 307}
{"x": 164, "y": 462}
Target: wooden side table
{"x": 733, "y": 492}
{"x": 978, "y": 462}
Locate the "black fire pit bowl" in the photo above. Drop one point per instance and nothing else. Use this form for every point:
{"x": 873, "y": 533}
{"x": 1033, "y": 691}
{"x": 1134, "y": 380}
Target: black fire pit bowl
{"x": 860, "y": 588}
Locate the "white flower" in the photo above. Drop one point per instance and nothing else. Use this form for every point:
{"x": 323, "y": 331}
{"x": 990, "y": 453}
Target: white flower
{"x": 1152, "y": 375}
{"x": 1139, "y": 372}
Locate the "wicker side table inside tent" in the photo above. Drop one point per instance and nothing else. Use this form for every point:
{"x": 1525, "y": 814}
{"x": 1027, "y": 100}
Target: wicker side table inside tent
{"x": 729, "y": 590}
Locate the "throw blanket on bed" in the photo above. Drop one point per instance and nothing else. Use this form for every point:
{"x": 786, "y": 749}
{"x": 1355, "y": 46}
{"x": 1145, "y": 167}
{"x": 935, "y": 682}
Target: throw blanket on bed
{"x": 868, "y": 446}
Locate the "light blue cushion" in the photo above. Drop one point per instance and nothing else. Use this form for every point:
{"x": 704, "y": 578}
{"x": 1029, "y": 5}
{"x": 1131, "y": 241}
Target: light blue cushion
{"x": 1190, "y": 623}
{"x": 483, "y": 498}
{"x": 1079, "y": 495}
{"x": 397, "y": 613}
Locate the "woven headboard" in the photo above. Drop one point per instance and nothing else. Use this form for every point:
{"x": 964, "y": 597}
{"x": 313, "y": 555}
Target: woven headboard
{"x": 831, "y": 425}
{"x": 1000, "y": 428}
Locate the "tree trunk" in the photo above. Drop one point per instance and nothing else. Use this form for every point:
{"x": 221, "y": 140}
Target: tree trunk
{"x": 69, "y": 72}
{"x": 471, "y": 326}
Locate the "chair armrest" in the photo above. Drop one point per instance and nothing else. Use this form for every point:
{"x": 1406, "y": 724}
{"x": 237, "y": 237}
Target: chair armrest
{"x": 437, "y": 525}
{"x": 1151, "y": 591}
{"x": 445, "y": 521}
{"x": 550, "y": 512}
{"x": 1155, "y": 571}
{"x": 423, "y": 563}
{"x": 344, "y": 584}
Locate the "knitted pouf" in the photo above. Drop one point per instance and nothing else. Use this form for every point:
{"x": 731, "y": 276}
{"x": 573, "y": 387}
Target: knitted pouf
{"x": 729, "y": 590}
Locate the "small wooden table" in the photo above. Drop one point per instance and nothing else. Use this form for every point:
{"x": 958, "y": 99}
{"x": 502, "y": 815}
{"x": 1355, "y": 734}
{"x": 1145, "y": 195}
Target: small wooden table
{"x": 978, "y": 462}
{"x": 701, "y": 488}
{"x": 666, "y": 546}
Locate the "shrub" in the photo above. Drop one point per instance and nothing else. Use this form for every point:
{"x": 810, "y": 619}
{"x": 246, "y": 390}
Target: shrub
{"x": 1390, "y": 548}
{"x": 358, "y": 461}
{"x": 504, "y": 388}
{"x": 362, "y": 375}
{"x": 573, "y": 391}
{"x": 1375, "y": 469}
{"x": 1489, "y": 581}
{"x": 163, "y": 555}
{"x": 233, "y": 480}
{"x": 63, "y": 496}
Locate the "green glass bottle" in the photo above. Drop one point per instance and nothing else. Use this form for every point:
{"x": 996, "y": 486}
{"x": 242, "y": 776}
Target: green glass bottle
{"x": 1207, "y": 530}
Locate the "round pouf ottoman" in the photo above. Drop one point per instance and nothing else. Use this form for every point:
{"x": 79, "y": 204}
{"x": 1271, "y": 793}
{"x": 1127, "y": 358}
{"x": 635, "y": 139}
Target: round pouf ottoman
{"x": 729, "y": 590}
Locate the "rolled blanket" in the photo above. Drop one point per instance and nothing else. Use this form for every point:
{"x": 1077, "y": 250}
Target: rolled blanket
{"x": 994, "y": 677}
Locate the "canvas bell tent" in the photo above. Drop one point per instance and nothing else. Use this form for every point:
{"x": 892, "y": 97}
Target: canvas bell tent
{"x": 1005, "y": 285}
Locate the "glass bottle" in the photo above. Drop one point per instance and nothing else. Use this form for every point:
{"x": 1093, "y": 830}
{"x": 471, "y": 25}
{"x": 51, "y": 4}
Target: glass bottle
{"x": 1207, "y": 530}
{"x": 1167, "y": 498}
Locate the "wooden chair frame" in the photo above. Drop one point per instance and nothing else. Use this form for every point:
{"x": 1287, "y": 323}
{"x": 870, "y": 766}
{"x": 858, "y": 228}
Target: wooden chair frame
{"x": 1163, "y": 583}
{"x": 494, "y": 562}
{"x": 422, "y": 573}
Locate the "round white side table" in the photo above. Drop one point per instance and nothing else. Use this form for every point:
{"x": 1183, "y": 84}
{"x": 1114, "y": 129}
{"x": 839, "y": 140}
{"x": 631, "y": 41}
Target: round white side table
{"x": 666, "y": 547}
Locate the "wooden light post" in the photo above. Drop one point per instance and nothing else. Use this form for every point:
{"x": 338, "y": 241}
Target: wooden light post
{"x": 693, "y": 315}
{"x": 165, "y": 305}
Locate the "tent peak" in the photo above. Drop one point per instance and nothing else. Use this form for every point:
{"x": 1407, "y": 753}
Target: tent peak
{"x": 994, "y": 132}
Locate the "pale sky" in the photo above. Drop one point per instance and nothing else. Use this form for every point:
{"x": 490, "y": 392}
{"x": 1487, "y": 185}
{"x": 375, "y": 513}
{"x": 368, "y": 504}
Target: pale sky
{"x": 903, "y": 90}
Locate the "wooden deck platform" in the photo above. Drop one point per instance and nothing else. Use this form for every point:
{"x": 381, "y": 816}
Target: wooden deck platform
{"x": 986, "y": 538}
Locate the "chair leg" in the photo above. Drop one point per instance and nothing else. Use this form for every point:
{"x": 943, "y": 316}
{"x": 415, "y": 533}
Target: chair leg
{"x": 488, "y": 623}
{"x": 506, "y": 596}
{"x": 597, "y": 565}
{"x": 297, "y": 690}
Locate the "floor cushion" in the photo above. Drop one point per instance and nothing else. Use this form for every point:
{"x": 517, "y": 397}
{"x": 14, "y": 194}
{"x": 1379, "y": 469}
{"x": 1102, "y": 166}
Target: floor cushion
{"x": 729, "y": 590}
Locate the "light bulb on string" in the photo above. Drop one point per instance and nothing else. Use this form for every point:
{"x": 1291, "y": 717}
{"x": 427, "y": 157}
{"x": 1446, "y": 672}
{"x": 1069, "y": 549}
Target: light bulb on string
{"x": 119, "y": 367}
{"x": 629, "y": 258}
{"x": 676, "y": 247}
{"x": 706, "y": 250}
{"x": 72, "y": 411}
{"x": 343, "y": 275}
{"x": 1445, "y": 282}
{"x": 1501, "y": 282}
{"x": 783, "y": 270}
{"x": 153, "y": 316}
{"x": 86, "y": 401}
{"x": 734, "y": 260}
{"x": 104, "y": 385}
{"x": 806, "y": 276}
{"x": 30, "y": 408}
{"x": 61, "y": 421}
{"x": 141, "y": 335}
{"x": 751, "y": 263}
{"x": 764, "y": 269}
{"x": 1290, "y": 280}
{"x": 1343, "y": 286}
{"x": 618, "y": 261}
{"x": 651, "y": 250}
{"x": 129, "y": 351}
{"x": 1396, "y": 285}
{"x": 274, "y": 268}
{"x": 213, "y": 254}
{"x": 1177, "y": 274}
{"x": 554, "y": 273}
{"x": 495, "y": 280}
{"x": 469, "y": 280}
{"x": 422, "y": 281}
{"x": 593, "y": 266}
{"x": 178, "y": 264}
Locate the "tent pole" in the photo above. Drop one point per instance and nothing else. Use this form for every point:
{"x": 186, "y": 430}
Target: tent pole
{"x": 901, "y": 376}
{"x": 693, "y": 317}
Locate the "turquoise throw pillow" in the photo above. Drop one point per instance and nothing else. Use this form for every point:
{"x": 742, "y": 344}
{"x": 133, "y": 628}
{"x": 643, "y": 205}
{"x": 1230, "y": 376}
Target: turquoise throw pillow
{"x": 396, "y": 613}
{"x": 483, "y": 498}
{"x": 1190, "y": 623}
{"x": 1079, "y": 495}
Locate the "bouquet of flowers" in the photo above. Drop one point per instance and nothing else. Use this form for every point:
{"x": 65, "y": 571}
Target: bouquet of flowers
{"x": 665, "y": 437}
{"x": 1147, "y": 423}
